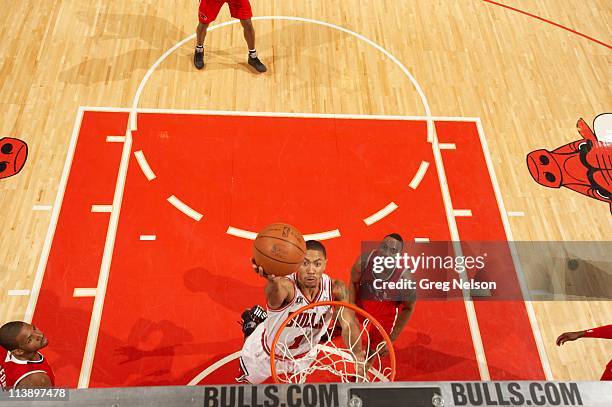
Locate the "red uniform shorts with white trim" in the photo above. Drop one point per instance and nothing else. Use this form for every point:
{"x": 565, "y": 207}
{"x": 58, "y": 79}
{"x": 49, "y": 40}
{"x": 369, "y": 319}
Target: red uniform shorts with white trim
{"x": 209, "y": 9}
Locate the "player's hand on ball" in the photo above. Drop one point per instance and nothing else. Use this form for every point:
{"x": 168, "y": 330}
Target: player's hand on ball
{"x": 260, "y": 271}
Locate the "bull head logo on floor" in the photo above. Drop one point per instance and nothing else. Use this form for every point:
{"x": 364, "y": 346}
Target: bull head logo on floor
{"x": 13, "y": 155}
{"x": 584, "y": 165}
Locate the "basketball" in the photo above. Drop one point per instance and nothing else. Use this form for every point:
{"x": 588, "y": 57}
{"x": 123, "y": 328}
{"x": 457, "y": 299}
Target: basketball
{"x": 279, "y": 248}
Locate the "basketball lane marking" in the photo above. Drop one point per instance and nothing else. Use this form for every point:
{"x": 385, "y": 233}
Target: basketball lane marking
{"x": 101, "y": 208}
{"x": 84, "y": 292}
{"x": 107, "y": 255}
{"x": 414, "y": 183}
{"x": 448, "y": 146}
{"x": 535, "y": 328}
{"x": 246, "y": 234}
{"x": 459, "y": 213}
{"x": 370, "y": 220}
{"x": 148, "y": 237}
{"x": 115, "y": 139}
{"x": 470, "y": 311}
{"x": 109, "y": 109}
{"x": 59, "y": 197}
{"x": 420, "y": 174}
{"x": 18, "y": 293}
{"x": 186, "y": 209}
{"x": 330, "y": 234}
{"x": 144, "y": 165}
{"x": 200, "y": 376}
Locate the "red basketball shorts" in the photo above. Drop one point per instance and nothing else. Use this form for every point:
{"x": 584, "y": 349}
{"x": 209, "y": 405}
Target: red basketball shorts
{"x": 209, "y": 9}
{"x": 385, "y": 314}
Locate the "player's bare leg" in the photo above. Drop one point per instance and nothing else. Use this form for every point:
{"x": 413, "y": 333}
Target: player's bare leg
{"x": 249, "y": 36}
{"x": 198, "y": 55}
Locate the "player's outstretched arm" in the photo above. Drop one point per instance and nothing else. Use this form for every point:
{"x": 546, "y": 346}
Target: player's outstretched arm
{"x": 603, "y": 332}
{"x": 350, "y": 328}
{"x": 355, "y": 280}
{"x": 405, "y": 312}
{"x": 569, "y": 336}
{"x": 279, "y": 290}
{"x": 348, "y": 321}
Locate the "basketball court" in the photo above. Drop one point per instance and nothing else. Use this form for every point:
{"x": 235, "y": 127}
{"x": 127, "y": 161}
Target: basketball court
{"x": 129, "y": 231}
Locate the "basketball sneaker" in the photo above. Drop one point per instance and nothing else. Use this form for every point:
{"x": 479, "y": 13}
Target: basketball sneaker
{"x": 251, "y": 318}
{"x": 257, "y": 64}
{"x": 198, "y": 59}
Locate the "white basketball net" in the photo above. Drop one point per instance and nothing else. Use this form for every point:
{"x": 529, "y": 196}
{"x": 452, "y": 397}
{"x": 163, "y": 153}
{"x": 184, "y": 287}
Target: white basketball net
{"x": 331, "y": 359}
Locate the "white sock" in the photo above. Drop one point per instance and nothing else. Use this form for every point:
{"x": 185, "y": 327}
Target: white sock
{"x": 253, "y": 53}
{"x": 199, "y": 48}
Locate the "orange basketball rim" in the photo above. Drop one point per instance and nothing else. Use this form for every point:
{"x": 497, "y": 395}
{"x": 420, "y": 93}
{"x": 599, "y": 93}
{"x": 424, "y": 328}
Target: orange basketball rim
{"x": 328, "y": 361}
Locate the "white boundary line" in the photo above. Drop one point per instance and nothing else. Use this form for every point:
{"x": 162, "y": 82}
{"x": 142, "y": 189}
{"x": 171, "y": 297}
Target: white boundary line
{"x": 208, "y": 112}
{"x": 109, "y": 246}
{"x": 370, "y": 220}
{"x": 144, "y": 165}
{"x": 18, "y": 293}
{"x": 516, "y": 214}
{"x": 421, "y": 240}
{"x": 61, "y": 189}
{"x": 420, "y": 174}
{"x": 42, "y": 208}
{"x": 462, "y": 213}
{"x": 537, "y": 334}
{"x": 202, "y": 375}
{"x": 186, "y": 209}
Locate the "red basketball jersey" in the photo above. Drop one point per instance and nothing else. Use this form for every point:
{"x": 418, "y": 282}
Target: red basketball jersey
{"x": 13, "y": 370}
{"x": 379, "y": 303}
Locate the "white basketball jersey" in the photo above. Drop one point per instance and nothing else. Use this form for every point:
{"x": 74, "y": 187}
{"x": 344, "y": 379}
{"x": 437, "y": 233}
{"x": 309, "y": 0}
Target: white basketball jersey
{"x": 304, "y": 331}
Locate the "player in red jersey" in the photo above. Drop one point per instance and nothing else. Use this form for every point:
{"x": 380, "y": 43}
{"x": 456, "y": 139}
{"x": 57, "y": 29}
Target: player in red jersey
{"x": 23, "y": 366}
{"x": 240, "y": 9}
{"x": 604, "y": 332}
{"x": 391, "y": 308}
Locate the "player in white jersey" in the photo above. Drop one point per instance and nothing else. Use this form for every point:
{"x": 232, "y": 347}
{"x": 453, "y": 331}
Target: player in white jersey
{"x": 286, "y": 295}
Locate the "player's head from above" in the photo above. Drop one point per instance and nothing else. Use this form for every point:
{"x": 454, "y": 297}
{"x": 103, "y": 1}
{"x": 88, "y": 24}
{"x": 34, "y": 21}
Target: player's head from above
{"x": 391, "y": 245}
{"x": 21, "y": 338}
{"x": 312, "y": 268}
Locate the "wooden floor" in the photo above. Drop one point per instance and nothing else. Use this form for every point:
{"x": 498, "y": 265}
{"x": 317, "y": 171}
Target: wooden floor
{"x": 527, "y": 80}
